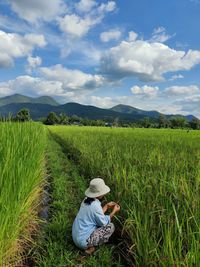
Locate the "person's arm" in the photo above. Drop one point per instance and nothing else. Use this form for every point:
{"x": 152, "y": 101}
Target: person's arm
{"x": 105, "y": 208}
{"x": 115, "y": 210}
{"x": 102, "y": 219}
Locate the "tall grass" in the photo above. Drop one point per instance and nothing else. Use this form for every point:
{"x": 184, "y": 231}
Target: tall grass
{"x": 155, "y": 176}
{"x": 21, "y": 166}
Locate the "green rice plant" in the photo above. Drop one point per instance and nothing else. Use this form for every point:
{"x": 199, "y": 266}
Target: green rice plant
{"x": 155, "y": 176}
{"x": 22, "y": 171}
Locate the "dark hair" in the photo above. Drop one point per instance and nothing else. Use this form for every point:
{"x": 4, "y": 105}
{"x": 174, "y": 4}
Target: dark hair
{"x": 89, "y": 200}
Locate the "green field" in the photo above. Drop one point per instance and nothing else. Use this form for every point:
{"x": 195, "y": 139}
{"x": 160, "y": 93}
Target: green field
{"x": 153, "y": 174}
{"x": 22, "y": 174}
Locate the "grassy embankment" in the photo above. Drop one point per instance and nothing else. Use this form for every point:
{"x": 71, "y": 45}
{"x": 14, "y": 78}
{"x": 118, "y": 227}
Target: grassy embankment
{"x": 22, "y": 175}
{"x": 155, "y": 176}
{"x": 56, "y": 247}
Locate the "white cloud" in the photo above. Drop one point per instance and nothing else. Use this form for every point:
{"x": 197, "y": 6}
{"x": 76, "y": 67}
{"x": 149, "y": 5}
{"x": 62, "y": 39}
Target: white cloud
{"x": 72, "y": 79}
{"x": 36, "y": 10}
{"x": 132, "y": 36}
{"x": 145, "y": 91}
{"x": 107, "y": 7}
{"x": 175, "y": 77}
{"x": 103, "y": 102}
{"x": 147, "y": 61}
{"x": 110, "y": 35}
{"x": 181, "y": 90}
{"x": 35, "y": 39}
{"x": 31, "y": 86}
{"x": 159, "y": 35}
{"x": 71, "y": 85}
{"x": 33, "y": 62}
{"x": 85, "y": 5}
{"x": 13, "y": 46}
{"x": 76, "y": 25}
{"x": 172, "y": 92}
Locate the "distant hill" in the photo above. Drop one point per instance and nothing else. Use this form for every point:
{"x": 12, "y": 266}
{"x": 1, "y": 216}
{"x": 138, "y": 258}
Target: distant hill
{"x": 151, "y": 114}
{"x": 187, "y": 117}
{"x": 135, "y": 111}
{"x": 41, "y": 106}
{"x": 17, "y": 98}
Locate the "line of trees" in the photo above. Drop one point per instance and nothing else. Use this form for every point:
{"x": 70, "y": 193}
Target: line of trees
{"x": 52, "y": 118}
{"x": 161, "y": 122}
{"x": 178, "y": 122}
{"x": 173, "y": 123}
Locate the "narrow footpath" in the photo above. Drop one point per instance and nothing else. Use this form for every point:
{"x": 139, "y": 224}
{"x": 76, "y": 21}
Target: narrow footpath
{"x": 55, "y": 247}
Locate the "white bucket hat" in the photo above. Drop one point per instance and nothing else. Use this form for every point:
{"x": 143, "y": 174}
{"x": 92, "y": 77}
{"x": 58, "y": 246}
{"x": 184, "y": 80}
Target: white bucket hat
{"x": 97, "y": 188}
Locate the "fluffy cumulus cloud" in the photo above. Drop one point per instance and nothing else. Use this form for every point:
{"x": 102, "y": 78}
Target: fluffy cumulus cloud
{"x": 33, "y": 62}
{"x": 174, "y": 99}
{"x": 76, "y": 25}
{"x": 145, "y": 60}
{"x": 181, "y": 90}
{"x": 110, "y": 35}
{"x": 85, "y": 5}
{"x": 55, "y": 81}
{"x": 132, "y": 36}
{"x": 13, "y": 46}
{"x": 145, "y": 91}
{"x": 30, "y": 86}
{"x": 72, "y": 79}
{"x": 37, "y": 10}
{"x": 172, "y": 92}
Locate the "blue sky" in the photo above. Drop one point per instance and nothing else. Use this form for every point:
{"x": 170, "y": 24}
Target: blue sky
{"x": 141, "y": 53}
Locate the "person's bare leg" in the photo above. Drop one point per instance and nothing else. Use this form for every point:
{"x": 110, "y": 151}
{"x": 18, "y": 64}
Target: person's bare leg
{"x": 90, "y": 250}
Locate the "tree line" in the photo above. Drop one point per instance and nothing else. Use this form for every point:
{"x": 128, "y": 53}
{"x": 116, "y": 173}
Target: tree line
{"x": 62, "y": 119}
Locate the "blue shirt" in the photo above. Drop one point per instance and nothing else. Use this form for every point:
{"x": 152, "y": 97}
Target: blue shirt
{"x": 89, "y": 218}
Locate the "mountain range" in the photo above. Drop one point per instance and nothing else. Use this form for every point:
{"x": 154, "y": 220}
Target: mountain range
{"x": 41, "y": 106}
{"x": 17, "y": 98}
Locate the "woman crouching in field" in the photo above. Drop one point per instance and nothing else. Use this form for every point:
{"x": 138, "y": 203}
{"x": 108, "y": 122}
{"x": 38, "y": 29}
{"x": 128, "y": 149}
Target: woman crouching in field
{"x": 91, "y": 226}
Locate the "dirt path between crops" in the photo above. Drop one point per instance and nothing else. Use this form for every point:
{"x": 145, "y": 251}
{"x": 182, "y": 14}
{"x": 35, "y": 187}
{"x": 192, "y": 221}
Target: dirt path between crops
{"x": 55, "y": 246}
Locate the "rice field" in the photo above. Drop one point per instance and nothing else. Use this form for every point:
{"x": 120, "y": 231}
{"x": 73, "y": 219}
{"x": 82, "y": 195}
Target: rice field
{"x": 153, "y": 174}
{"x": 155, "y": 177}
{"x": 22, "y": 174}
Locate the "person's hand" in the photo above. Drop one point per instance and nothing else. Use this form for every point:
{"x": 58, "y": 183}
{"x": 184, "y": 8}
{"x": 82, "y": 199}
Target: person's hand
{"x": 116, "y": 208}
{"x": 111, "y": 204}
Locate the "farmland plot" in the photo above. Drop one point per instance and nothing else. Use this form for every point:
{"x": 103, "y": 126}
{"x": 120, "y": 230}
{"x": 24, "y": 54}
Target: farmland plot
{"x": 155, "y": 176}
